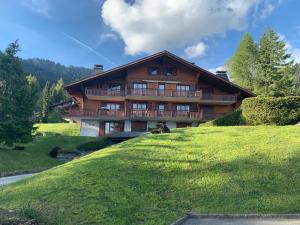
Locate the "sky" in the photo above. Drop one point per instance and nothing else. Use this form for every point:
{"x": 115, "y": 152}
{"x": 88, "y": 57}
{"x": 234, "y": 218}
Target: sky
{"x": 115, "y": 32}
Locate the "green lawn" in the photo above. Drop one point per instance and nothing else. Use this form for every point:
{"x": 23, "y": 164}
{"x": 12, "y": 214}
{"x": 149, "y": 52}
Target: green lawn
{"x": 35, "y": 156}
{"x": 67, "y": 129}
{"x": 154, "y": 179}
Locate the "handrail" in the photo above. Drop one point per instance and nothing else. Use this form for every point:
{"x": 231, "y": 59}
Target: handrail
{"x": 151, "y": 92}
{"x": 133, "y": 113}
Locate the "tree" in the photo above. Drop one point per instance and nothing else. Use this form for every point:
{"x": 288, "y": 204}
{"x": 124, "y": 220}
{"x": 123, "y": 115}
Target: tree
{"x": 275, "y": 68}
{"x": 57, "y": 92}
{"x": 35, "y": 89}
{"x": 297, "y": 75}
{"x": 242, "y": 65}
{"x": 16, "y": 101}
{"x": 45, "y": 103}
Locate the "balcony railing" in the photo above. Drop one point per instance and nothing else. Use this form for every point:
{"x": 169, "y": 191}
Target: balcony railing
{"x": 148, "y": 92}
{"x": 163, "y": 93}
{"x": 104, "y": 92}
{"x": 121, "y": 114}
{"x": 97, "y": 113}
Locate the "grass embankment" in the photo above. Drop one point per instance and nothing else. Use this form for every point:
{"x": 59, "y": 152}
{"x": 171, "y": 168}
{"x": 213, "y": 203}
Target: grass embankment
{"x": 35, "y": 156}
{"x": 155, "y": 179}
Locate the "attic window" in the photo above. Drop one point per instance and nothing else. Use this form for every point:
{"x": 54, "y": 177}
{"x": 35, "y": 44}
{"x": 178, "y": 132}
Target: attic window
{"x": 153, "y": 70}
{"x": 170, "y": 71}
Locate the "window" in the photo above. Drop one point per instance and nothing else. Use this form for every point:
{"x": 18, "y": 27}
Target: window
{"x": 171, "y": 71}
{"x": 112, "y": 106}
{"x": 153, "y": 70}
{"x": 139, "y": 86}
{"x": 161, "y": 107}
{"x": 183, "y": 108}
{"x": 111, "y": 127}
{"x": 183, "y": 88}
{"x": 161, "y": 86}
{"x": 139, "y": 106}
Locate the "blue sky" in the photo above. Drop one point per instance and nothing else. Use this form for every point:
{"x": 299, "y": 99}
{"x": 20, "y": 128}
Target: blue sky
{"x": 114, "y": 32}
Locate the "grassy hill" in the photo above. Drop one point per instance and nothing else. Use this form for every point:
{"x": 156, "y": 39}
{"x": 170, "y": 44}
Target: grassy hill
{"x": 35, "y": 156}
{"x": 155, "y": 179}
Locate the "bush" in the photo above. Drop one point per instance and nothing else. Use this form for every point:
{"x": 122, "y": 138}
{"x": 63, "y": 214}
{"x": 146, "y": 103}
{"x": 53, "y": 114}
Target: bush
{"x": 233, "y": 119}
{"x": 94, "y": 145}
{"x": 271, "y": 110}
{"x": 54, "y": 152}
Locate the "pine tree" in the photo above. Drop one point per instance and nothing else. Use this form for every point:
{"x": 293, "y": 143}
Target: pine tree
{"x": 15, "y": 98}
{"x": 35, "y": 89}
{"x": 45, "y": 103}
{"x": 297, "y": 75}
{"x": 242, "y": 65}
{"x": 58, "y": 93}
{"x": 275, "y": 69}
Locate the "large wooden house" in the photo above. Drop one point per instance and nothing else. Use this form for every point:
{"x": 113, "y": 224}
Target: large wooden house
{"x": 158, "y": 88}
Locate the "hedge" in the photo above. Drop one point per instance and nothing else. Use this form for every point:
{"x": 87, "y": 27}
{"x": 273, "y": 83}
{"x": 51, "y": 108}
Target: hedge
{"x": 271, "y": 110}
{"x": 233, "y": 119}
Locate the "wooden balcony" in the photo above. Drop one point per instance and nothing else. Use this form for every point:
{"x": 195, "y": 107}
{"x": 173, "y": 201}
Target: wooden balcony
{"x": 144, "y": 115}
{"x": 148, "y": 94}
{"x": 105, "y": 94}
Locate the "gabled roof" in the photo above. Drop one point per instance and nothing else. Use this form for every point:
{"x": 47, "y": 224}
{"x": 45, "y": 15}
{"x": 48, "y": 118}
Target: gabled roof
{"x": 207, "y": 74}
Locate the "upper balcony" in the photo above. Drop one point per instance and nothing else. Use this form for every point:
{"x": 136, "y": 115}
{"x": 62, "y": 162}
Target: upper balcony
{"x": 105, "y": 94}
{"x": 147, "y": 94}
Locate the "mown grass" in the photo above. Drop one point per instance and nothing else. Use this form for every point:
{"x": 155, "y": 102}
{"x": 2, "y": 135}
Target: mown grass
{"x": 66, "y": 129}
{"x": 154, "y": 179}
{"x": 35, "y": 156}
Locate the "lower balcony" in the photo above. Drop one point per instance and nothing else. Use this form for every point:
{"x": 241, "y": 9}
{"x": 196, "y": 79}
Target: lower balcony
{"x": 145, "y": 115}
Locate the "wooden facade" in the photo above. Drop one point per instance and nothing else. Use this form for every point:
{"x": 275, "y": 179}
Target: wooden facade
{"x": 158, "y": 88}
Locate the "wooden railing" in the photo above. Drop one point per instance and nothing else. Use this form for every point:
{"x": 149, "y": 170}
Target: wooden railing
{"x": 104, "y": 92}
{"x": 121, "y": 114}
{"x": 159, "y": 93}
{"x": 163, "y": 93}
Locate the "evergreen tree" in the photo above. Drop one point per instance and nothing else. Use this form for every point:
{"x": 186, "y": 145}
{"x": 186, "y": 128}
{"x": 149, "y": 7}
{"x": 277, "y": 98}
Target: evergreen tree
{"x": 45, "y": 103}
{"x": 15, "y": 98}
{"x": 275, "y": 69}
{"x": 297, "y": 75}
{"x": 242, "y": 65}
{"x": 35, "y": 89}
{"x": 58, "y": 93}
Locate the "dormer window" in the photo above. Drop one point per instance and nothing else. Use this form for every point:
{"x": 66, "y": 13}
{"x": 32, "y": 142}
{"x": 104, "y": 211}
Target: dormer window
{"x": 153, "y": 70}
{"x": 170, "y": 71}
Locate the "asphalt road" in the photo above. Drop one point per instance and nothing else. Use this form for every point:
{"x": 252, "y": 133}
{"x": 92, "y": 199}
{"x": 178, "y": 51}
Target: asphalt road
{"x": 12, "y": 179}
{"x": 244, "y": 221}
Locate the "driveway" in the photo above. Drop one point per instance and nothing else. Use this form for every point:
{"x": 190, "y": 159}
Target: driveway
{"x": 12, "y": 179}
{"x": 243, "y": 221}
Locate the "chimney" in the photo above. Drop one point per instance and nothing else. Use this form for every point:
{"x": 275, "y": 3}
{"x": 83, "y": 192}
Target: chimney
{"x": 98, "y": 69}
{"x": 222, "y": 74}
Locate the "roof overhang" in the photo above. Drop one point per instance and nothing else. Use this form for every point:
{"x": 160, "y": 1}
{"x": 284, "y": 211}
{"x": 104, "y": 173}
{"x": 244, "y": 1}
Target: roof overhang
{"x": 206, "y": 74}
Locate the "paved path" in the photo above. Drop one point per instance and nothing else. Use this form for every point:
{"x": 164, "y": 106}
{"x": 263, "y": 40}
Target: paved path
{"x": 248, "y": 221}
{"x": 12, "y": 179}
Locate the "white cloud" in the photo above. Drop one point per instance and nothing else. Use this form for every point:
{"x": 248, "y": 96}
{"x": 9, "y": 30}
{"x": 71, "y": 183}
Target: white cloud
{"x": 154, "y": 25}
{"x": 293, "y": 51}
{"x": 105, "y": 37}
{"x": 38, "y": 6}
{"x": 267, "y": 10}
{"x": 195, "y": 50}
{"x": 108, "y": 36}
{"x": 219, "y": 68}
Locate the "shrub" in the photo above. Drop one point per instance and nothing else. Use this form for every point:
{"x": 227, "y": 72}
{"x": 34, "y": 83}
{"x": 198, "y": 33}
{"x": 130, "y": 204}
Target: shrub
{"x": 54, "y": 152}
{"x": 233, "y": 119}
{"x": 271, "y": 110}
{"x": 94, "y": 145}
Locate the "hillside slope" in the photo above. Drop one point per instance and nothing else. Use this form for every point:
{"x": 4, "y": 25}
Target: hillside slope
{"x": 47, "y": 70}
{"x": 155, "y": 179}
